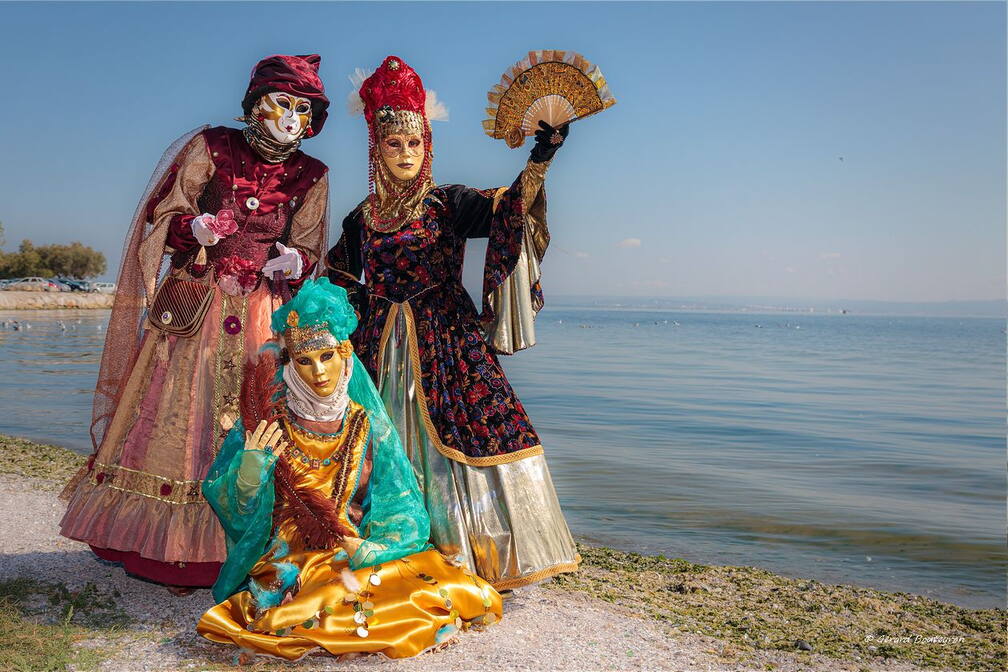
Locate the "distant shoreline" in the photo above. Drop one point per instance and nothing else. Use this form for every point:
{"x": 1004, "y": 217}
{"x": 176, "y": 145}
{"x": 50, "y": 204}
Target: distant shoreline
{"x": 14, "y": 300}
{"x": 787, "y": 306}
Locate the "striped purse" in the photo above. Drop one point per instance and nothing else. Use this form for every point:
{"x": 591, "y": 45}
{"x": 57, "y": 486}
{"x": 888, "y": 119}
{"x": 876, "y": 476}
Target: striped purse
{"x": 180, "y": 306}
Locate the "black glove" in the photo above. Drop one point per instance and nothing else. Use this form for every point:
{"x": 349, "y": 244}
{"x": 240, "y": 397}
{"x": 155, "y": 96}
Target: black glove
{"x": 548, "y": 141}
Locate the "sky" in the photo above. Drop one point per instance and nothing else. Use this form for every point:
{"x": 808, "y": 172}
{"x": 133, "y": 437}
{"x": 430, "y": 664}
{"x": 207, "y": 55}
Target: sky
{"x": 795, "y": 150}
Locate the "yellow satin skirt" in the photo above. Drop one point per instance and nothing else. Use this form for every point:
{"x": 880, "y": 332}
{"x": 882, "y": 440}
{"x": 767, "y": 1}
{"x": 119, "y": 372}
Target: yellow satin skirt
{"x": 399, "y": 609}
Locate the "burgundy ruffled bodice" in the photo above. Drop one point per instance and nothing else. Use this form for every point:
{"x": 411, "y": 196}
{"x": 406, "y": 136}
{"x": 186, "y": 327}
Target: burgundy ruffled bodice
{"x": 278, "y": 189}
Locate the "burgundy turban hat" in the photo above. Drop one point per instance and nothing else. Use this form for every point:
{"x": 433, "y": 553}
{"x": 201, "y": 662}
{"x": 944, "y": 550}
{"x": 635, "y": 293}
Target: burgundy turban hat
{"x": 296, "y": 75}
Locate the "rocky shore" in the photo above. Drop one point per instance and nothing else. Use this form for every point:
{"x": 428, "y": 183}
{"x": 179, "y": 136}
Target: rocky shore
{"x": 13, "y": 300}
{"x": 62, "y": 609}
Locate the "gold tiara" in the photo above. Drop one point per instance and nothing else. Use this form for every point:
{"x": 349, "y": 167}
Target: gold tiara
{"x": 315, "y": 337}
{"x": 400, "y": 121}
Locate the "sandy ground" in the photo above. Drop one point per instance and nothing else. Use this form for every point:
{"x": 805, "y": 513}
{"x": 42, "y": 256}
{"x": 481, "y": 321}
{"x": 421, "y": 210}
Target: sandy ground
{"x": 544, "y": 628}
{"x": 13, "y": 300}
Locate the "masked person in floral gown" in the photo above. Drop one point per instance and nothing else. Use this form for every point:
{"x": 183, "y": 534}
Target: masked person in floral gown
{"x": 243, "y": 215}
{"x": 479, "y": 461}
{"x": 326, "y": 526}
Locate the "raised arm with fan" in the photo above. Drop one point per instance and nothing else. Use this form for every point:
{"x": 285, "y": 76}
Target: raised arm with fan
{"x": 555, "y": 87}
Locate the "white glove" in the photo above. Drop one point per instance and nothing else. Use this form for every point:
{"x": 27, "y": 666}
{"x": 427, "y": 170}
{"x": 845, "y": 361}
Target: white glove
{"x": 201, "y": 229}
{"x": 290, "y": 263}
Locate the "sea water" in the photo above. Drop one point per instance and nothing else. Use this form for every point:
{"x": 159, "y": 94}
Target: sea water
{"x": 855, "y": 449}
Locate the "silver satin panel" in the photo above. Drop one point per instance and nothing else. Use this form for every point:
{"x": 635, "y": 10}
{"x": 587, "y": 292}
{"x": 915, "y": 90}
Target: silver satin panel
{"x": 503, "y": 521}
{"x": 513, "y": 328}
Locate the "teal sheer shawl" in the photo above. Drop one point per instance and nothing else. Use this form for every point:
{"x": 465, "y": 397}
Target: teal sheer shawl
{"x": 239, "y": 487}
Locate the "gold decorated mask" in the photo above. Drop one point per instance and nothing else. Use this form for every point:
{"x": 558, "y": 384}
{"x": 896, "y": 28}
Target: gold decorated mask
{"x": 285, "y": 117}
{"x": 403, "y": 153}
{"x": 320, "y": 369}
{"x": 400, "y": 158}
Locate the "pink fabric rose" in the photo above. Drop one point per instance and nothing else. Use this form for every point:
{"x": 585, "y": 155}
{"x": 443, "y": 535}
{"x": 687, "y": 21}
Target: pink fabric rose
{"x": 237, "y": 276}
{"x": 223, "y": 223}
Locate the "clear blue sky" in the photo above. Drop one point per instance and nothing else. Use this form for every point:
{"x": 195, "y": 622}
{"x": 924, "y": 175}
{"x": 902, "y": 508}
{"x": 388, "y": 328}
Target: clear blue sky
{"x": 722, "y": 156}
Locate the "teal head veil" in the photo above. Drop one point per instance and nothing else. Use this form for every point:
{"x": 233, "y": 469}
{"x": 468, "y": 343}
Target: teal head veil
{"x": 322, "y": 306}
{"x": 395, "y": 522}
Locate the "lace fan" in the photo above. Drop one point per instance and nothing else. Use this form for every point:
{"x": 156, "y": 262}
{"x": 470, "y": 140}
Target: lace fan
{"x": 551, "y": 86}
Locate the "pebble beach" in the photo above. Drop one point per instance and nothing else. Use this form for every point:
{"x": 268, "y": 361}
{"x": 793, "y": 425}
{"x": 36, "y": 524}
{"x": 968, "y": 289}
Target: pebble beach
{"x": 62, "y": 609}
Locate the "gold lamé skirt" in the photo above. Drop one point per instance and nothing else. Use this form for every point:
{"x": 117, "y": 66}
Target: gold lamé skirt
{"x": 502, "y": 521}
{"x": 401, "y": 609}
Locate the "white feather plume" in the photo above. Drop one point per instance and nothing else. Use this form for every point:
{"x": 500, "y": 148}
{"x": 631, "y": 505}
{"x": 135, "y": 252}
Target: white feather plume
{"x": 355, "y": 104}
{"x": 434, "y": 108}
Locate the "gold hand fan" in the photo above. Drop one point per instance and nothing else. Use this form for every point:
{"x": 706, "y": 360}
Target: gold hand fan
{"x": 551, "y": 86}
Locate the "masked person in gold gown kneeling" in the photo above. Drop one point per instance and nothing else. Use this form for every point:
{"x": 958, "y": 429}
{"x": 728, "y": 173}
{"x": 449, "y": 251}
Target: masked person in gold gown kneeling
{"x": 326, "y": 528}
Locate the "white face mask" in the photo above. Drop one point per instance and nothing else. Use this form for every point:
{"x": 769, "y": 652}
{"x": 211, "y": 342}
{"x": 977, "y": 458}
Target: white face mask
{"x": 284, "y": 116}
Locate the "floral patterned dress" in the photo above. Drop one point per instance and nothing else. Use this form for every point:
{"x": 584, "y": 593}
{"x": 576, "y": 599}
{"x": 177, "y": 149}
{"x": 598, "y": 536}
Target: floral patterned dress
{"x": 434, "y": 357}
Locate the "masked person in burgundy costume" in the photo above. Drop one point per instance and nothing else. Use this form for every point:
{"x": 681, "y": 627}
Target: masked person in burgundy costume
{"x": 478, "y": 460}
{"x": 243, "y": 215}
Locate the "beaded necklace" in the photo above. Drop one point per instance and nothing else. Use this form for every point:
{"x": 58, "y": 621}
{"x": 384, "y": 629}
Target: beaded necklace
{"x": 296, "y": 454}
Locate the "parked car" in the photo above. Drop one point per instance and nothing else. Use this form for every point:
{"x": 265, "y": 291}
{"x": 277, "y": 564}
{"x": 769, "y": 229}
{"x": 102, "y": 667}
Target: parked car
{"x": 33, "y": 284}
{"x": 60, "y": 285}
{"x": 76, "y": 285}
{"x": 103, "y": 287}
{"x": 7, "y": 282}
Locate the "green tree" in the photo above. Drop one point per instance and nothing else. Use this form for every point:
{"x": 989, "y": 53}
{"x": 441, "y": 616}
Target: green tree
{"x": 74, "y": 260}
{"x": 26, "y": 261}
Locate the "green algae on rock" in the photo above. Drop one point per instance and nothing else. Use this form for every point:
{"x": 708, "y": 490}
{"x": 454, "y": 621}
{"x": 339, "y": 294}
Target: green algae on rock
{"x": 38, "y": 460}
{"x": 753, "y": 609}
{"x": 43, "y": 625}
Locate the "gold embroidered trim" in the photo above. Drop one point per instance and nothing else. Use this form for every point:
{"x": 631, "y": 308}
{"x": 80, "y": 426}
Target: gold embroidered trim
{"x": 432, "y": 433}
{"x": 532, "y": 179}
{"x": 67, "y": 492}
{"x": 497, "y": 197}
{"x": 535, "y": 577}
{"x": 146, "y": 484}
{"x": 355, "y": 456}
{"x": 355, "y": 430}
{"x": 390, "y": 319}
{"x": 229, "y": 360}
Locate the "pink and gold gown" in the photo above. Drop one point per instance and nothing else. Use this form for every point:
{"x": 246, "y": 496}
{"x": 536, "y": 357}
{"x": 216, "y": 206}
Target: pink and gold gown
{"x": 164, "y": 403}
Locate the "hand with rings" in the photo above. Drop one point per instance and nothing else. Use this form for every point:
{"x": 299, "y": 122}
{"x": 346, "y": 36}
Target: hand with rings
{"x": 267, "y": 438}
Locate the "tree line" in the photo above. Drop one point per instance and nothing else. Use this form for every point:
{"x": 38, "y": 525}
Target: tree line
{"x": 75, "y": 260}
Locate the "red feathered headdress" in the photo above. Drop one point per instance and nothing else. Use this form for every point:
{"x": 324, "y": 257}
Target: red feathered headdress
{"x": 393, "y": 100}
{"x": 395, "y": 85}
{"x": 296, "y": 75}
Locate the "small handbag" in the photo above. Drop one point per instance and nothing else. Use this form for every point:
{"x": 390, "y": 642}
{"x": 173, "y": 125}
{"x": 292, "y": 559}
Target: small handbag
{"x": 180, "y": 306}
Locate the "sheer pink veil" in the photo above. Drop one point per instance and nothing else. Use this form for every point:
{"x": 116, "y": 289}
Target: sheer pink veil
{"x": 143, "y": 252}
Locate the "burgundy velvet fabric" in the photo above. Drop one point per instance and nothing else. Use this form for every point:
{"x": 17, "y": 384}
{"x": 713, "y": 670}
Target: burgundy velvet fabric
{"x": 394, "y": 84}
{"x": 239, "y": 174}
{"x": 296, "y": 75}
{"x": 188, "y": 574}
{"x": 180, "y": 235}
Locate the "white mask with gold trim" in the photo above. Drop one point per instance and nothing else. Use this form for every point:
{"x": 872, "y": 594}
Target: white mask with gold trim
{"x": 284, "y": 116}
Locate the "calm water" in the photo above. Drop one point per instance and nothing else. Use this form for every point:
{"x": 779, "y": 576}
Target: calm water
{"x": 866, "y": 450}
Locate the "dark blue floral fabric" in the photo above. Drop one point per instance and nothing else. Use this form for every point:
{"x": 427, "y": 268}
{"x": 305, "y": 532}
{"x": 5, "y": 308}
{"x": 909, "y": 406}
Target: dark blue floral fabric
{"x": 470, "y": 401}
